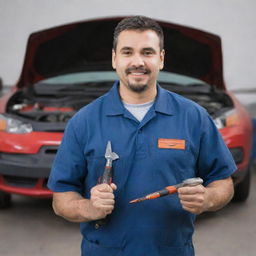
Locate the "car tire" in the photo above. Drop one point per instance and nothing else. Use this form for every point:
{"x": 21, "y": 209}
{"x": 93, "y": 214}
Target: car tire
{"x": 5, "y": 200}
{"x": 242, "y": 190}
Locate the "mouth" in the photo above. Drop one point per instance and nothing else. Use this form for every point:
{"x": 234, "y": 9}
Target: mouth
{"x": 137, "y": 71}
{"x": 137, "y": 74}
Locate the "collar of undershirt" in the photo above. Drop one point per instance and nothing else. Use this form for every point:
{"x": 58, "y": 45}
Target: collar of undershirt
{"x": 141, "y": 105}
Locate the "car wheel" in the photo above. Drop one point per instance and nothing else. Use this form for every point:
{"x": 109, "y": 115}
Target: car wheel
{"x": 5, "y": 200}
{"x": 242, "y": 190}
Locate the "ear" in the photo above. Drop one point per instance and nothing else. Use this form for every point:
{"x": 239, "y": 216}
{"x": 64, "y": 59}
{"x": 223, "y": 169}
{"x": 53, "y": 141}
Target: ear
{"x": 162, "y": 54}
{"x": 113, "y": 59}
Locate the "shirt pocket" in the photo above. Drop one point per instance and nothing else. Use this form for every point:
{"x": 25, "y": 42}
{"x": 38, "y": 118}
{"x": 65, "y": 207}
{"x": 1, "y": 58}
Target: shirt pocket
{"x": 174, "y": 164}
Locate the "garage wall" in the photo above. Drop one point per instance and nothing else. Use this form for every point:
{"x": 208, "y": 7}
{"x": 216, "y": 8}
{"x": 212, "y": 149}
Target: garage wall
{"x": 233, "y": 20}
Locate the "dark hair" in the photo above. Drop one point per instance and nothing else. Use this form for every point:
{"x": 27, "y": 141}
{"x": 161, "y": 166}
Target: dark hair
{"x": 140, "y": 23}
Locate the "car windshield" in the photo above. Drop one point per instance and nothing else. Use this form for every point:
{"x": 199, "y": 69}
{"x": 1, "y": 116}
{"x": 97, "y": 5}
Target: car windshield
{"x": 77, "y": 81}
{"x": 103, "y": 76}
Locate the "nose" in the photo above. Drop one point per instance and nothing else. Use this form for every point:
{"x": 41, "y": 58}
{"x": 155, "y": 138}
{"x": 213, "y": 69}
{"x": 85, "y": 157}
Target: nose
{"x": 137, "y": 60}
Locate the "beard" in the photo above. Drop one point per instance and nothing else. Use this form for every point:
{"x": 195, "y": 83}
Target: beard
{"x": 137, "y": 87}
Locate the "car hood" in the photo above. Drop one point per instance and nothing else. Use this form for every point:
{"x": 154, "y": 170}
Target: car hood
{"x": 86, "y": 46}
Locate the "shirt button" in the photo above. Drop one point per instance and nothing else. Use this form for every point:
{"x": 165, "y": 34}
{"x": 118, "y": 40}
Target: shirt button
{"x": 97, "y": 226}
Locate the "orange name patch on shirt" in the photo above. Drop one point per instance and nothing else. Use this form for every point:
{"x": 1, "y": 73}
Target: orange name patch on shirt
{"x": 171, "y": 143}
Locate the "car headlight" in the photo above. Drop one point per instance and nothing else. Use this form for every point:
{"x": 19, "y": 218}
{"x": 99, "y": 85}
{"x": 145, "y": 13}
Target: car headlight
{"x": 11, "y": 125}
{"x": 227, "y": 119}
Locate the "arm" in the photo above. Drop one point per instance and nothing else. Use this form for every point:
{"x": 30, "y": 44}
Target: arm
{"x": 200, "y": 199}
{"x": 73, "y": 207}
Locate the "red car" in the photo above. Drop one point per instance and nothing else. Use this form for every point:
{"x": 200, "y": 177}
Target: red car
{"x": 67, "y": 67}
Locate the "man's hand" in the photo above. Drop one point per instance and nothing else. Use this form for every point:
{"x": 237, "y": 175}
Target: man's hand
{"x": 73, "y": 207}
{"x": 199, "y": 199}
{"x": 194, "y": 199}
{"x": 102, "y": 201}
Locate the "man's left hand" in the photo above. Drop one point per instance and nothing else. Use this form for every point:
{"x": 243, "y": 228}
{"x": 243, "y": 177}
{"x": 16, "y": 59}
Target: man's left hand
{"x": 199, "y": 199}
{"x": 194, "y": 199}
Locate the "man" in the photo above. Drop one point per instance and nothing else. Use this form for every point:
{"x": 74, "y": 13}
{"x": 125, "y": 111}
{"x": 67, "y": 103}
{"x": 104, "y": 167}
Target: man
{"x": 144, "y": 123}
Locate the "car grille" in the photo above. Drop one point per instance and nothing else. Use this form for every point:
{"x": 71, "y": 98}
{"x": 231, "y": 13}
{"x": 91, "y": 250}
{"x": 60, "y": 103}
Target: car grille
{"x": 50, "y": 151}
{"x": 46, "y": 152}
{"x": 45, "y": 183}
{"x": 20, "y": 181}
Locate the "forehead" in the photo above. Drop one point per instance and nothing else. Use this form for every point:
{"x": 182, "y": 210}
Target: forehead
{"x": 138, "y": 39}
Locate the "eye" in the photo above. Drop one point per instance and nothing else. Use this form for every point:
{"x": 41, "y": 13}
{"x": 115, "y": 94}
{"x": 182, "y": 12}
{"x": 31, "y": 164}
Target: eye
{"x": 148, "y": 53}
{"x": 126, "y": 52}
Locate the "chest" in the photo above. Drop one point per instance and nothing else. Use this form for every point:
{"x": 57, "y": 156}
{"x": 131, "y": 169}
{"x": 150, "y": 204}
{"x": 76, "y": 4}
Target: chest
{"x": 162, "y": 149}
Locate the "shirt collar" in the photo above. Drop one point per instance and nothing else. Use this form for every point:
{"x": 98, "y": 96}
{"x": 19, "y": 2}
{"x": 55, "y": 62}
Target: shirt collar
{"x": 163, "y": 104}
{"x": 114, "y": 105}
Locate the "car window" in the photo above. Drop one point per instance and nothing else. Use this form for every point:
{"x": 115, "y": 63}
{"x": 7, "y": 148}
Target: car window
{"x": 105, "y": 76}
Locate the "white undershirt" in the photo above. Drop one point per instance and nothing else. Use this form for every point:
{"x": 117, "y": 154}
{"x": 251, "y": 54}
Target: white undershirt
{"x": 138, "y": 110}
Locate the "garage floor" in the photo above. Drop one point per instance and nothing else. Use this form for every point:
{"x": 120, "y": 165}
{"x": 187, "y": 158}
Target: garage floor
{"x": 29, "y": 227}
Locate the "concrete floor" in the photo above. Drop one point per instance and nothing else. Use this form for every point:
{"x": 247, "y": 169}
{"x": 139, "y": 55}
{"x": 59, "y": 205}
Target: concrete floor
{"x": 29, "y": 227}
{"x": 230, "y": 231}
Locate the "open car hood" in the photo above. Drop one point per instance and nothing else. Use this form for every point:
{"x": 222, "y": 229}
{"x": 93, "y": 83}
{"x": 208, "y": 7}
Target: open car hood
{"x": 87, "y": 45}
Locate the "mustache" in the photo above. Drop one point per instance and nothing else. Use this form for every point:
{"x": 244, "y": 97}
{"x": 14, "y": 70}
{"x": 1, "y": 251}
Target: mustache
{"x": 139, "y": 69}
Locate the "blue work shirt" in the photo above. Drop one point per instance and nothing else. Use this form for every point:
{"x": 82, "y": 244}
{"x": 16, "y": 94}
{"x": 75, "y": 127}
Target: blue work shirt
{"x": 176, "y": 140}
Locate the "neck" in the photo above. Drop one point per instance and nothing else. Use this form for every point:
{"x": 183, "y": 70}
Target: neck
{"x": 131, "y": 97}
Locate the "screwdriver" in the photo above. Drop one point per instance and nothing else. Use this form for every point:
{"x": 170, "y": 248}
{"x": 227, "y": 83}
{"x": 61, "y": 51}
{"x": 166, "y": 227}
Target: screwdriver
{"x": 169, "y": 190}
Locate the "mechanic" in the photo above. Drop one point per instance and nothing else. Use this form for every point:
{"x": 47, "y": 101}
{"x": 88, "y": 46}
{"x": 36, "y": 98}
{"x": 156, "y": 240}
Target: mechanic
{"x": 161, "y": 139}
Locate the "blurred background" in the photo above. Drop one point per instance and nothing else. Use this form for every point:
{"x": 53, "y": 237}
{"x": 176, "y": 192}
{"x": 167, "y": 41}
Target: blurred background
{"x": 29, "y": 227}
{"x": 233, "y": 20}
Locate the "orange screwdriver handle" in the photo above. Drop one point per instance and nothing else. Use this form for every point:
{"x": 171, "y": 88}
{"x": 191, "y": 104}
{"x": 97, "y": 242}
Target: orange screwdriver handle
{"x": 171, "y": 189}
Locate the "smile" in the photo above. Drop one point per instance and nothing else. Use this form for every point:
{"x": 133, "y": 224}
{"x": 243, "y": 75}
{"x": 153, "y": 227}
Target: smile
{"x": 138, "y": 74}
{"x": 137, "y": 71}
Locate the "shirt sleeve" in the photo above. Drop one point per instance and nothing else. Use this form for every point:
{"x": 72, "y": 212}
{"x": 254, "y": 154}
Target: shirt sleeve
{"x": 215, "y": 161}
{"x": 69, "y": 168}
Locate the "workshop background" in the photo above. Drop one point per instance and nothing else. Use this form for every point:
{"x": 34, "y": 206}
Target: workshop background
{"x": 30, "y": 227}
{"x": 233, "y": 20}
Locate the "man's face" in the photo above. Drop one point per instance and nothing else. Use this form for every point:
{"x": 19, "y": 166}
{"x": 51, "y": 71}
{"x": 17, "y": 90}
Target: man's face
{"x": 138, "y": 59}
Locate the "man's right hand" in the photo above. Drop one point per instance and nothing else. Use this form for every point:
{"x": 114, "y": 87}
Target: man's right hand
{"x": 73, "y": 207}
{"x": 102, "y": 201}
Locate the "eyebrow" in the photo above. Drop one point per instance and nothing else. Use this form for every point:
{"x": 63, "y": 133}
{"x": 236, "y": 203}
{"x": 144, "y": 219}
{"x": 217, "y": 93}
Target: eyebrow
{"x": 125, "y": 48}
{"x": 143, "y": 49}
{"x": 149, "y": 49}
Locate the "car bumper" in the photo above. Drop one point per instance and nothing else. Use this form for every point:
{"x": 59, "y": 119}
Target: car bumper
{"x": 27, "y": 174}
{"x": 38, "y": 190}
